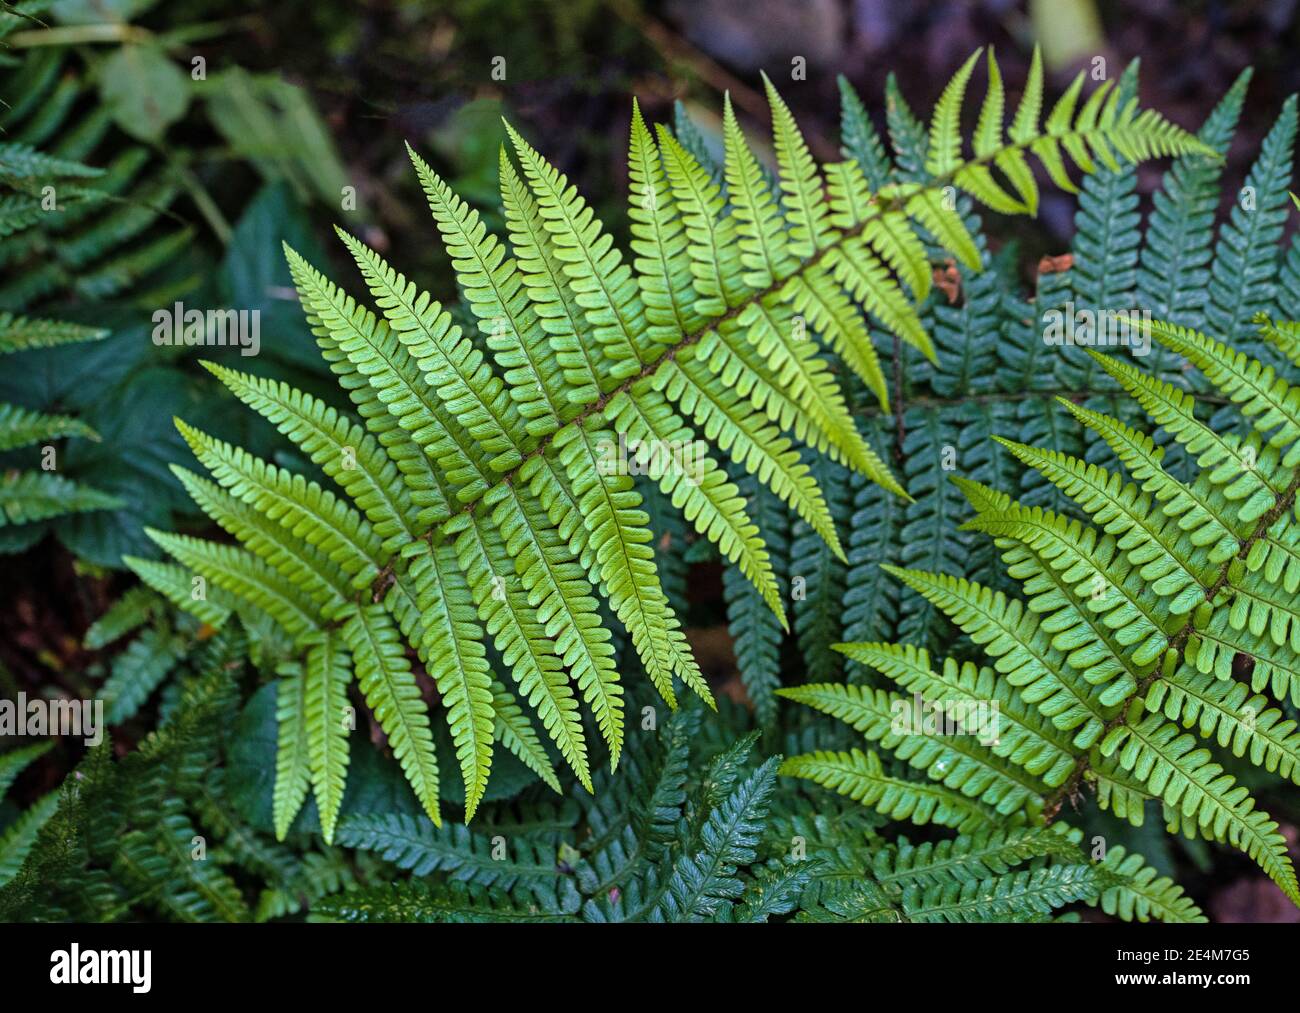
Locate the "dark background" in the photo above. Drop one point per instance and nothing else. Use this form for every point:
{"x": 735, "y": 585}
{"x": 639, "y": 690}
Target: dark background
{"x": 423, "y": 71}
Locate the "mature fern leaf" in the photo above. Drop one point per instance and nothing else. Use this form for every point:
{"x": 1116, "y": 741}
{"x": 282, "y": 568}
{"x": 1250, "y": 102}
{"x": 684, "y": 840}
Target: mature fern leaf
{"x": 488, "y": 485}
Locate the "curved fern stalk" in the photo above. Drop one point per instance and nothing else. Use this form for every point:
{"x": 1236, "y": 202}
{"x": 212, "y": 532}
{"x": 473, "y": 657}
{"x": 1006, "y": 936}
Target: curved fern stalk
{"x": 1135, "y": 626}
{"x": 485, "y": 485}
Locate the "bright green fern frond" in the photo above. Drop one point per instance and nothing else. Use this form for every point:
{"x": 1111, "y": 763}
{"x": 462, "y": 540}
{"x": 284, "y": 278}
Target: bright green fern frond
{"x": 801, "y": 183}
{"x": 663, "y": 267}
{"x": 449, "y": 362}
{"x": 245, "y": 575}
{"x": 1272, "y": 405}
{"x": 603, "y": 283}
{"x": 345, "y": 452}
{"x": 177, "y": 585}
{"x": 516, "y": 733}
{"x": 292, "y": 756}
{"x": 314, "y": 514}
{"x": 494, "y": 287}
{"x": 474, "y": 497}
{"x": 1199, "y": 795}
{"x": 515, "y": 625}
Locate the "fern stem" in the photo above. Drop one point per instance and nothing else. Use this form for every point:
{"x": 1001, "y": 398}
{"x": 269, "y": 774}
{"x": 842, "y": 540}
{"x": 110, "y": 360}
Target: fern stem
{"x": 202, "y": 198}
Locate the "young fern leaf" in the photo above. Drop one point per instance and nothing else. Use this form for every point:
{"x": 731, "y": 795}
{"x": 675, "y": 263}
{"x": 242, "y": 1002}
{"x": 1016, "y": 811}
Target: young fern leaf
{"x": 483, "y": 486}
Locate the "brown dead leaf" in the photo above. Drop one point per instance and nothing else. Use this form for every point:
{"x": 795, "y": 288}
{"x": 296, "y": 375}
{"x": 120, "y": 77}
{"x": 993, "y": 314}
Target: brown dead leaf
{"x": 948, "y": 281}
{"x": 1055, "y": 265}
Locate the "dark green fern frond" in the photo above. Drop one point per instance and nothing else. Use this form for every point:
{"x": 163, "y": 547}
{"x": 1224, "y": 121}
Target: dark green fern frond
{"x": 69, "y": 226}
{"x": 28, "y": 498}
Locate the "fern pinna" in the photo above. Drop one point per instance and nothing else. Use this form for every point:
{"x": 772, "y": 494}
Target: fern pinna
{"x": 1174, "y": 609}
{"x": 478, "y": 492}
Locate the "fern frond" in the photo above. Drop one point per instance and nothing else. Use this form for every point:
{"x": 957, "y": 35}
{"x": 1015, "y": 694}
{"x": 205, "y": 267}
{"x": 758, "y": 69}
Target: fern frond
{"x": 18, "y": 839}
{"x": 292, "y": 757}
{"x": 453, "y": 651}
{"x": 1198, "y": 793}
{"x": 1132, "y": 628}
{"x": 129, "y": 612}
{"x": 243, "y": 574}
{"x": 1272, "y": 405}
{"x": 473, "y": 498}
{"x": 15, "y": 761}
{"x": 1040, "y": 890}
{"x": 27, "y": 496}
{"x": 138, "y": 671}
